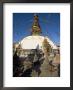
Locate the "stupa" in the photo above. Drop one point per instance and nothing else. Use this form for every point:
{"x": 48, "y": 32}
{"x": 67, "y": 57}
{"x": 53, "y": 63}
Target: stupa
{"x": 35, "y": 39}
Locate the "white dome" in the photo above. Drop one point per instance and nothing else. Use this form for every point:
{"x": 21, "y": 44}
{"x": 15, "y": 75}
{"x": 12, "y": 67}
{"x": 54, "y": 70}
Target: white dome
{"x": 31, "y": 42}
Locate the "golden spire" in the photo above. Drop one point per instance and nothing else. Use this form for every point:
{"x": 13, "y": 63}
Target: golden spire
{"x": 36, "y": 30}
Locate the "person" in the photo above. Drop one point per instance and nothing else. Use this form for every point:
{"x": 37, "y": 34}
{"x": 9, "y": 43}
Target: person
{"x": 51, "y": 62}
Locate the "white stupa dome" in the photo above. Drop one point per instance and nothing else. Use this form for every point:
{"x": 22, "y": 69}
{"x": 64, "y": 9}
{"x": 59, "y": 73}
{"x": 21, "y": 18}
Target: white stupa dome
{"x": 31, "y": 42}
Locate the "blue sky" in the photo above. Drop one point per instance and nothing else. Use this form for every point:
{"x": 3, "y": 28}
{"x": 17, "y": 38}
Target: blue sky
{"x": 49, "y": 23}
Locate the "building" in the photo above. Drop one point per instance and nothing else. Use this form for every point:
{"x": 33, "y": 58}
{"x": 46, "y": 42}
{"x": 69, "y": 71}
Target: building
{"x": 35, "y": 39}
